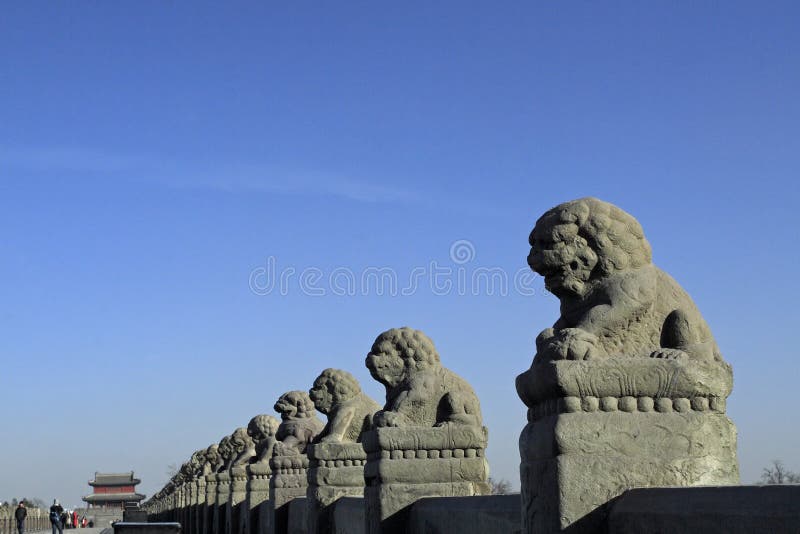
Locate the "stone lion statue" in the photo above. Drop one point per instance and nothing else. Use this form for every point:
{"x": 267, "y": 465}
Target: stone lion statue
{"x": 262, "y": 429}
{"x": 212, "y": 457}
{"x": 419, "y": 391}
{"x": 299, "y": 423}
{"x": 614, "y": 302}
{"x": 243, "y": 446}
{"x": 226, "y": 454}
{"x": 194, "y": 465}
{"x": 338, "y": 395}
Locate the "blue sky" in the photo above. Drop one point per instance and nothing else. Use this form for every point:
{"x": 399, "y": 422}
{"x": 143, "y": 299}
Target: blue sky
{"x": 154, "y": 156}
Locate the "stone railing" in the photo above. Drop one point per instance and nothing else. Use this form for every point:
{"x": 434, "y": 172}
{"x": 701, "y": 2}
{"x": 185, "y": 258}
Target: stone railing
{"x": 37, "y": 520}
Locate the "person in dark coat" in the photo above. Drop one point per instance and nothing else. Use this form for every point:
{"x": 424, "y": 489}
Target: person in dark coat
{"x": 20, "y": 514}
{"x": 55, "y": 517}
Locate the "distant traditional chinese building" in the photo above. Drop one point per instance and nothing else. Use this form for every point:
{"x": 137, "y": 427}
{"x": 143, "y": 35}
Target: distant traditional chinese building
{"x": 113, "y": 490}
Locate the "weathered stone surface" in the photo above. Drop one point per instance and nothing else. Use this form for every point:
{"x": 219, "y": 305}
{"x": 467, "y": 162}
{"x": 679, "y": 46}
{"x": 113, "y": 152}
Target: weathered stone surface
{"x": 191, "y": 511}
{"x": 289, "y": 481}
{"x": 244, "y": 451}
{"x": 337, "y": 457}
{"x": 256, "y": 512}
{"x": 227, "y": 453}
{"x": 628, "y": 387}
{"x": 262, "y": 429}
{"x": 466, "y": 515}
{"x": 289, "y": 463}
{"x": 223, "y": 496}
{"x": 258, "y": 505}
{"x": 419, "y": 390}
{"x": 238, "y": 500}
{"x": 614, "y": 301}
{"x": 299, "y": 423}
{"x": 336, "y": 471}
{"x": 428, "y": 441}
{"x": 210, "y": 514}
{"x": 338, "y": 395}
{"x": 213, "y": 460}
{"x": 244, "y": 447}
{"x": 210, "y": 467}
{"x": 200, "y": 510}
{"x": 710, "y": 510}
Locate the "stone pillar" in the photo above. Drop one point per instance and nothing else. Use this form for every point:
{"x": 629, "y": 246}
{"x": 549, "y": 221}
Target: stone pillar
{"x": 191, "y": 505}
{"x": 407, "y": 464}
{"x": 223, "y": 496}
{"x": 210, "y": 513}
{"x": 256, "y": 511}
{"x": 335, "y": 470}
{"x": 238, "y": 500}
{"x": 173, "y": 505}
{"x": 200, "y": 508}
{"x": 181, "y": 504}
{"x": 289, "y": 481}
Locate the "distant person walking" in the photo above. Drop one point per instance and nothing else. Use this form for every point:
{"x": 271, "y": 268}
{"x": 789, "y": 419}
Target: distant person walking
{"x": 55, "y": 517}
{"x": 20, "y": 514}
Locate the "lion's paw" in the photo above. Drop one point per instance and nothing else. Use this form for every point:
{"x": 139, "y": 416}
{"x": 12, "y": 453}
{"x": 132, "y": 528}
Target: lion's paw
{"x": 573, "y": 344}
{"x": 386, "y": 418}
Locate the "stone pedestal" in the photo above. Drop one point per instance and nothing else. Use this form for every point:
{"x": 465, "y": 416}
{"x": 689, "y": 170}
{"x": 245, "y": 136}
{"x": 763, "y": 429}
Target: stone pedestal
{"x": 255, "y": 513}
{"x": 289, "y": 481}
{"x": 335, "y": 470}
{"x": 223, "y": 497}
{"x": 598, "y": 428}
{"x": 408, "y": 463}
{"x": 210, "y": 512}
{"x": 238, "y": 499}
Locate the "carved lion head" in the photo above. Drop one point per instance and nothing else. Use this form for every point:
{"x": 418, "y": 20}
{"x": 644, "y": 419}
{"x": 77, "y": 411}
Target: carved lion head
{"x": 198, "y": 458}
{"x": 583, "y": 240}
{"x": 294, "y": 405}
{"x": 240, "y": 440}
{"x": 399, "y": 353}
{"x": 262, "y": 427}
{"x": 332, "y": 387}
{"x": 194, "y": 463}
{"x": 225, "y": 448}
{"x": 212, "y": 453}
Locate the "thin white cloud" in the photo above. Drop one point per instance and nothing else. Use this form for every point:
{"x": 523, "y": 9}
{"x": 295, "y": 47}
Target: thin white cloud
{"x": 239, "y": 178}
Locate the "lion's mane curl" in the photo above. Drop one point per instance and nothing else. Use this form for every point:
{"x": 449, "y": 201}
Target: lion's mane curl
{"x": 616, "y": 237}
{"x": 297, "y": 403}
{"x": 413, "y": 346}
{"x": 345, "y": 385}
